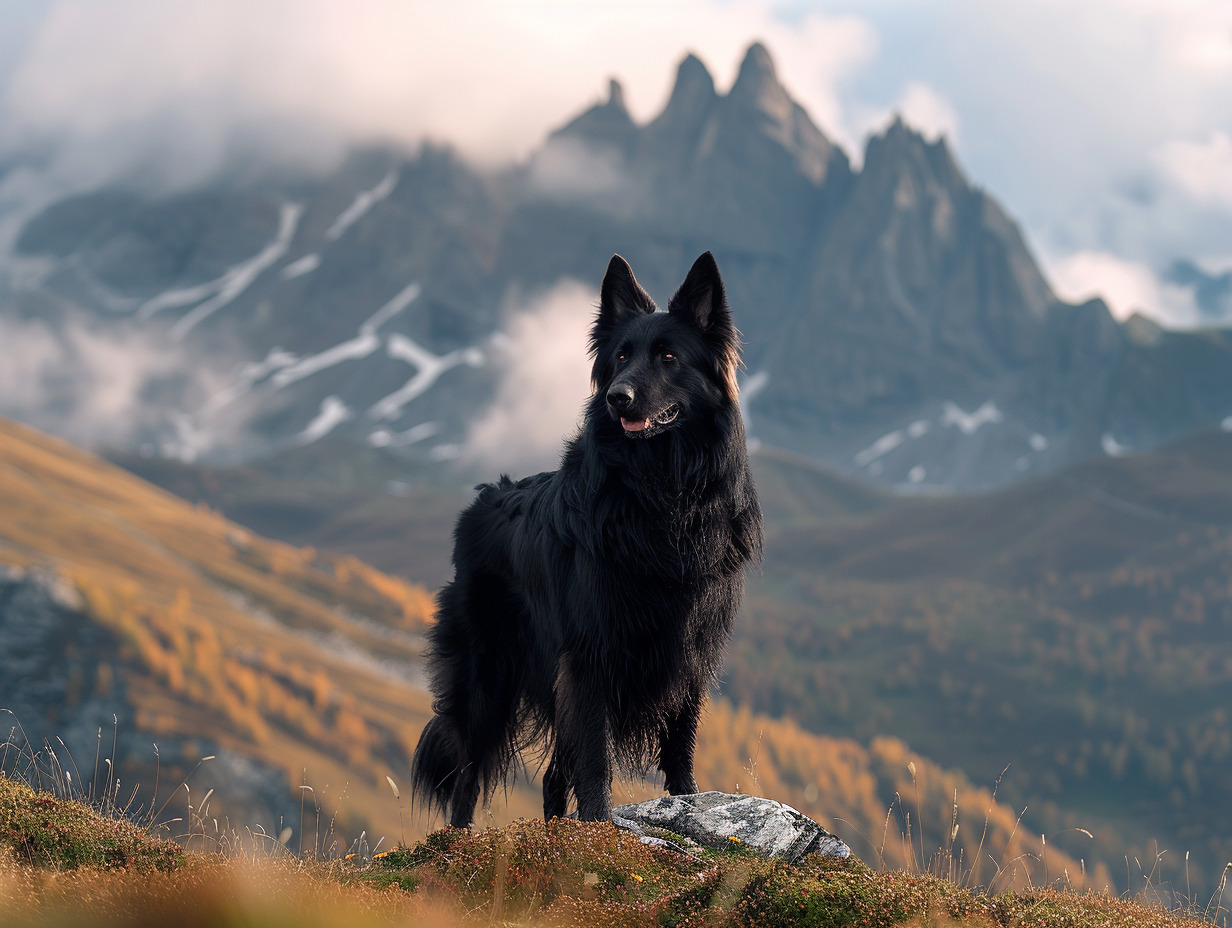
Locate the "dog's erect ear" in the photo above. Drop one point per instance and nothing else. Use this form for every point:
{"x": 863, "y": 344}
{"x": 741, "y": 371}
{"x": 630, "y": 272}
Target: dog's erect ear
{"x": 621, "y": 295}
{"x": 701, "y": 297}
{"x": 702, "y": 301}
{"x": 620, "y": 298}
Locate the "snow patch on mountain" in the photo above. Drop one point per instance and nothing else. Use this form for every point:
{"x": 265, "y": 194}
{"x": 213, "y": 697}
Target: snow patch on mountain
{"x": 231, "y": 284}
{"x": 301, "y": 266}
{"x": 384, "y": 438}
{"x": 883, "y": 445}
{"x": 332, "y": 414}
{"x": 1112, "y": 447}
{"x": 275, "y": 359}
{"x": 429, "y": 368}
{"x": 352, "y": 350}
{"x": 364, "y": 201}
{"x": 406, "y": 296}
{"x": 969, "y": 423}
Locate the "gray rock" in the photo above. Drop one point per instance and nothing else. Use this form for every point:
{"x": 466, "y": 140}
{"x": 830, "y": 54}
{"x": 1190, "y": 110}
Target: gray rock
{"x": 713, "y": 819}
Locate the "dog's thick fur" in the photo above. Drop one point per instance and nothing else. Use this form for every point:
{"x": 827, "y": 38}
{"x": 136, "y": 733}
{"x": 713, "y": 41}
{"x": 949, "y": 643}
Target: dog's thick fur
{"x": 591, "y": 604}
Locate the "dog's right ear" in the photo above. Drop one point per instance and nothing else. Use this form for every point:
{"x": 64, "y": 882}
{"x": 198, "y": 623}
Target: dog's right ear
{"x": 621, "y": 298}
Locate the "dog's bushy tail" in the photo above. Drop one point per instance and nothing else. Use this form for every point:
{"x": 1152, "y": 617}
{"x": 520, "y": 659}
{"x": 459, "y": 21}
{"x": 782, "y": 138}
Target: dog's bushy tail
{"x": 434, "y": 768}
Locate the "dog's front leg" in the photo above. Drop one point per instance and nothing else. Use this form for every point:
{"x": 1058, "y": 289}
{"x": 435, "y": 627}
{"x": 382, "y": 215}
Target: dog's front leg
{"x": 592, "y": 775}
{"x": 583, "y": 748}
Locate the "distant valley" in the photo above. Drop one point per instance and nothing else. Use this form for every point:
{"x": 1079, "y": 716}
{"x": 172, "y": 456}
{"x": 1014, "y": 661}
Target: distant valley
{"x": 1073, "y": 627}
{"x": 146, "y": 642}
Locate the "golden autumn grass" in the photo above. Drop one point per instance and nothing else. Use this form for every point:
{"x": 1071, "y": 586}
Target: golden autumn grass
{"x": 274, "y": 652}
{"x": 564, "y": 873}
{"x": 270, "y": 651}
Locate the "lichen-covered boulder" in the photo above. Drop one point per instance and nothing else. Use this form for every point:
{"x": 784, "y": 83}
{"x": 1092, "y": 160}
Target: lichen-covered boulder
{"x": 713, "y": 819}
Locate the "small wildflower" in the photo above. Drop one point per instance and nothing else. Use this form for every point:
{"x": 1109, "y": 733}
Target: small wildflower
{"x": 636, "y": 877}
{"x": 735, "y": 839}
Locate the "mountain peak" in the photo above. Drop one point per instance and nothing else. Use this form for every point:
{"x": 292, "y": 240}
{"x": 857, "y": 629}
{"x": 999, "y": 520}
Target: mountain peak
{"x": 692, "y": 78}
{"x": 900, "y": 144}
{"x": 758, "y": 85}
{"x": 605, "y": 124}
{"x": 616, "y": 95}
{"x": 757, "y": 68}
{"x": 693, "y": 91}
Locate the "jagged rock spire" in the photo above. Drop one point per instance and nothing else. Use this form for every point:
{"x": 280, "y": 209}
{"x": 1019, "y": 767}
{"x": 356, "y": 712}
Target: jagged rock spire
{"x": 756, "y": 70}
{"x": 616, "y": 95}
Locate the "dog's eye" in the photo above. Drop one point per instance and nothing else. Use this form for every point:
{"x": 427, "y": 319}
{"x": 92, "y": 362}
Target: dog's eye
{"x": 622, "y": 358}
{"x": 669, "y": 356}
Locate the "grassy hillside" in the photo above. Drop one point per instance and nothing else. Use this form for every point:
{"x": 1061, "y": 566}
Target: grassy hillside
{"x": 364, "y": 507}
{"x": 304, "y": 663}
{"x": 62, "y": 863}
{"x": 1074, "y": 628}
{"x": 217, "y": 640}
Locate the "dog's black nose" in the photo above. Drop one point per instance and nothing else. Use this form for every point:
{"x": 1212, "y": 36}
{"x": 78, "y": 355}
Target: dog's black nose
{"x": 620, "y": 397}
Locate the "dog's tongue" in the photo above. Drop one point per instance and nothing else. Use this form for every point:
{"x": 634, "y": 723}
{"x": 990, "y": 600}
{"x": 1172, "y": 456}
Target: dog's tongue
{"x": 634, "y": 425}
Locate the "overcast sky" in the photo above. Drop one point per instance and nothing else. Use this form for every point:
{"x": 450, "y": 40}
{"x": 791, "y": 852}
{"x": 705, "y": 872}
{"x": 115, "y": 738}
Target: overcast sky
{"x": 1104, "y": 127}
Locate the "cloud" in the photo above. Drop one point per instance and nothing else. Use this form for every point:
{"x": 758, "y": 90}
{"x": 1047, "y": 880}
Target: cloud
{"x": 924, "y": 108}
{"x": 1058, "y": 109}
{"x": 94, "y": 387}
{"x": 1063, "y": 106}
{"x": 920, "y": 106}
{"x": 568, "y": 169}
{"x": 1126, "y": 286}
{"x": 185, "y": 84}
{"x": 1201, "y": 170}
{"x": 544, "y": 381}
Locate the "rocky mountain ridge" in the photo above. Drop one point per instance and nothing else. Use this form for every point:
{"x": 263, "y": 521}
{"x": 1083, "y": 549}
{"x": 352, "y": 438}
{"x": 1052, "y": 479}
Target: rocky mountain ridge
{"x": 897, "y": 326}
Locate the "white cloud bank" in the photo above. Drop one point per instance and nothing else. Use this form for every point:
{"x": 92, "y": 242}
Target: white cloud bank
{"x": 1103, "y": 126}
{"x": 1127, "y": 287}
{"x": 188, "y": 81}
{"x": 1201, "y": 170}
{"x": 545, "y": 381}
{"x": 94, "y": 387}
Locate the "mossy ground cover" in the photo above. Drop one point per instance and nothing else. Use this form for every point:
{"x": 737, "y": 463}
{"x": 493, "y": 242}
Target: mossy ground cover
{"x": 569, "y": 873}
{"x": 44, "y": 830}
{"x": 62, "y": 863}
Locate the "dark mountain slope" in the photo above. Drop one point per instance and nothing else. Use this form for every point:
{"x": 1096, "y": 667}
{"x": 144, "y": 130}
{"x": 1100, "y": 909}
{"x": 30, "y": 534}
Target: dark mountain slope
{"x": 1076, "y": 627}
{"x": 897, "y": 326}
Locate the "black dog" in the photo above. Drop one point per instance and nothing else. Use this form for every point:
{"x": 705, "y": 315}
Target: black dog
{"x": 591, "y": 605}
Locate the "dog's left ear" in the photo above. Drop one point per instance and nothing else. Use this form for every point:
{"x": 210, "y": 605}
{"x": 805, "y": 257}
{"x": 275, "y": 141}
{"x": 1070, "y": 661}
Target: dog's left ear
{"x": 702, "y": 301}
{"x": 701, "y": 297}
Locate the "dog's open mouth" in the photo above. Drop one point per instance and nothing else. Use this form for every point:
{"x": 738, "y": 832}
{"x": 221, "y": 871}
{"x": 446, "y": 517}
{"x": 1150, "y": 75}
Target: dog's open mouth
{"x": 649, "y": 426}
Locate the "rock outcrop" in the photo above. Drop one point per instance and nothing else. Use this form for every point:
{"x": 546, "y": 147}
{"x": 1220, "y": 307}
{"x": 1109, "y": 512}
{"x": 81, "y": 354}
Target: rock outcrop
{"x": 717, "y": 820}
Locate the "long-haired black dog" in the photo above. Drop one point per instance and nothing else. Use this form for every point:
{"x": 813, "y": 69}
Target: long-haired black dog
{"x": 591, "y": 605}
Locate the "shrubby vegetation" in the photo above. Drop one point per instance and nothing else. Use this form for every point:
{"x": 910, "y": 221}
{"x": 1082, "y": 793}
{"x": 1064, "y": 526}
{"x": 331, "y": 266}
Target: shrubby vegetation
{"x": 62, "y": 863}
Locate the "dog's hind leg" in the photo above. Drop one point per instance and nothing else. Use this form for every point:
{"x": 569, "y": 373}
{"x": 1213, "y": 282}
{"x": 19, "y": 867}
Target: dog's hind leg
{"x": 465, "y": 795}
{"x": 678, "y": 744}
{"x": 555, "y": 789}
{"x": 474, "y": 676}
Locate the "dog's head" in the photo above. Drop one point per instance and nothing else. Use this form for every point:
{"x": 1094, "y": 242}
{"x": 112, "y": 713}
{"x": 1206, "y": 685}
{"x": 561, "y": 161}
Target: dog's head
{"x": 658, "y": 370}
